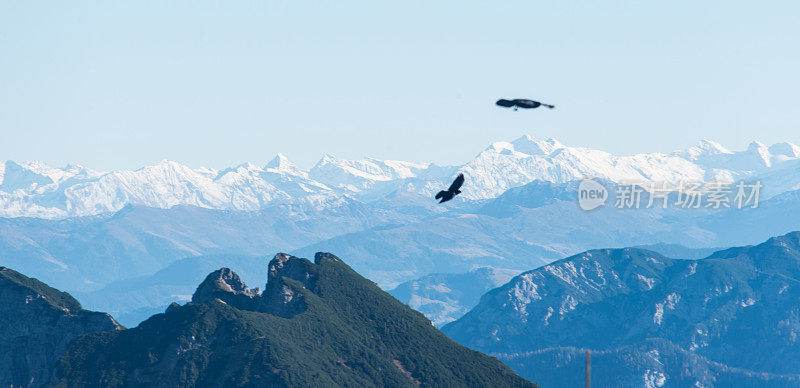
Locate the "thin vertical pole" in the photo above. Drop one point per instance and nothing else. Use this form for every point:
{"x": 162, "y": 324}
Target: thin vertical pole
{"x": 588, "y": 369}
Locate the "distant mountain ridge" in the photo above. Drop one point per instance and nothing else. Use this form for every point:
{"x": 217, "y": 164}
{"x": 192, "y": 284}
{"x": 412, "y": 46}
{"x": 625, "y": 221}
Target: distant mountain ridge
{"x": 737, "y": 310}
{"x": 403, "y": 237}
{"x": 34, "y": 189}
{"x": 444, "y": 297}
{"x": 379, "y": 214}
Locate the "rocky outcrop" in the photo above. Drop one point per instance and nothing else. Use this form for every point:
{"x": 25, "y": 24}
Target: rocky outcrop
{"x": 37, "y": 323}
{"x": 286, "y": 275}
{"x": 225, "y": 285}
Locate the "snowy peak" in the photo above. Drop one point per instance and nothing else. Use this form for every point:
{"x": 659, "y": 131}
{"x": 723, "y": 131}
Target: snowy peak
{"x": 325, "y": 160}
{"x": 712, "y": 156}
{"x": 363, "y": 174}
{"x": 704, "y": 148}
{"x": 756, "y": 146}
{"x": 281, "y": 163}
{"x": 37, "y": 190}
{"x": 504, "y": 165}
{"x": 225, "y": 285}
{"x": 400, "y": 169}
{"x": 528, "y": 145}
{"x": 760, "y": 153}
{"x": 18, "y": 177}
{"x": 785, "y": 150}
{"x": 35, "y": 174}
{"x": 502, "y": 147}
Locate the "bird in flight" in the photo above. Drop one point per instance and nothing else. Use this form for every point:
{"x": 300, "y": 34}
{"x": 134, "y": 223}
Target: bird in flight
{"x": 521, "y": 103}
{"x": 452, "y": 191}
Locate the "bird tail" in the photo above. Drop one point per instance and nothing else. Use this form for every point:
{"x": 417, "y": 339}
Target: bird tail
{"x": 549, "y": 106}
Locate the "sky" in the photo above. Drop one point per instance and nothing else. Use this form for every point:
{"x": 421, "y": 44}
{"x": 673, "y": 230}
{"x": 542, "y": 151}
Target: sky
{"x": 119, "y": 85}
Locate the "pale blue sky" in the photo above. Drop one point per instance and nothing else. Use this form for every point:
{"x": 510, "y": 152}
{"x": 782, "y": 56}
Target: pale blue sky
{"x": 113, "y": 85}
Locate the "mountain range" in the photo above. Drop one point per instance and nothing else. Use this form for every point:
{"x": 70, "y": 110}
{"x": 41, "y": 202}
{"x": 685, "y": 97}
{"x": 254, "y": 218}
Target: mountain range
{"x": 111, "y": 239}
{"x": 34, "y": 189}
{"x": 730, "y": 319}
{"x": 395, "y": 240}
{"x": 445, "y": 297}
{"x": 315, "y": 324}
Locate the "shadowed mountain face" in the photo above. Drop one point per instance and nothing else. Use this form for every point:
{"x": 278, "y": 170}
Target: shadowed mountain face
{"x": 36, "y": 324}
{"x": 738, "y": 307}
{"x": 315, "y": 324}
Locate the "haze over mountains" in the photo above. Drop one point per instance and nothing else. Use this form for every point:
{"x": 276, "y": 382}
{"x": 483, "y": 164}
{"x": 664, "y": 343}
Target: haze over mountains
{"x": 443, "y": 297}
{"x": 132, "y": 242}
{"x": 33, "y": 189}
{"x": 380, "y": 214}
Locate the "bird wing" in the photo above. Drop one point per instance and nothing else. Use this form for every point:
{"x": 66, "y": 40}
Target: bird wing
{"x": 457, "y": 183}
{"x": 527, "y": 104}
{"x": 440, "y": 194}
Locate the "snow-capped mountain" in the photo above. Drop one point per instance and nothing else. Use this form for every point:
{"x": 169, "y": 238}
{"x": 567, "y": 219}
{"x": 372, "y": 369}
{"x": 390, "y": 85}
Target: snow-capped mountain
{"x": 358, "y": 175}
{"x": 34, "y": 189}
{"x": 506, "y": 165}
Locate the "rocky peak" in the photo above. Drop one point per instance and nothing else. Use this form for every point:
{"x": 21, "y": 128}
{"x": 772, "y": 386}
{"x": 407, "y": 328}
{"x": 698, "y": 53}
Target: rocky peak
{"x": 320, "y": 256}
{"x": 225, "y": 285}
{"x": 285, "y": 298}
{"x": 276, "y": 265}
{"x": 283, "y": 265}
{"x": 287, "y": 278}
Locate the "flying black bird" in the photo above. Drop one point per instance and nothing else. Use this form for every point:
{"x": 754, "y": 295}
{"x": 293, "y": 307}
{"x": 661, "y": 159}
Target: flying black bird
{"x": 451, "y": 192}
{"x": 521, "y": 103}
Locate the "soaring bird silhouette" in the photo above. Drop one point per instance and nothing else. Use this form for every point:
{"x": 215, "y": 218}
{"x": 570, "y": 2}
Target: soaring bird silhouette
{"x": 452, "y": 191}
{"x": 521, "y": 103}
